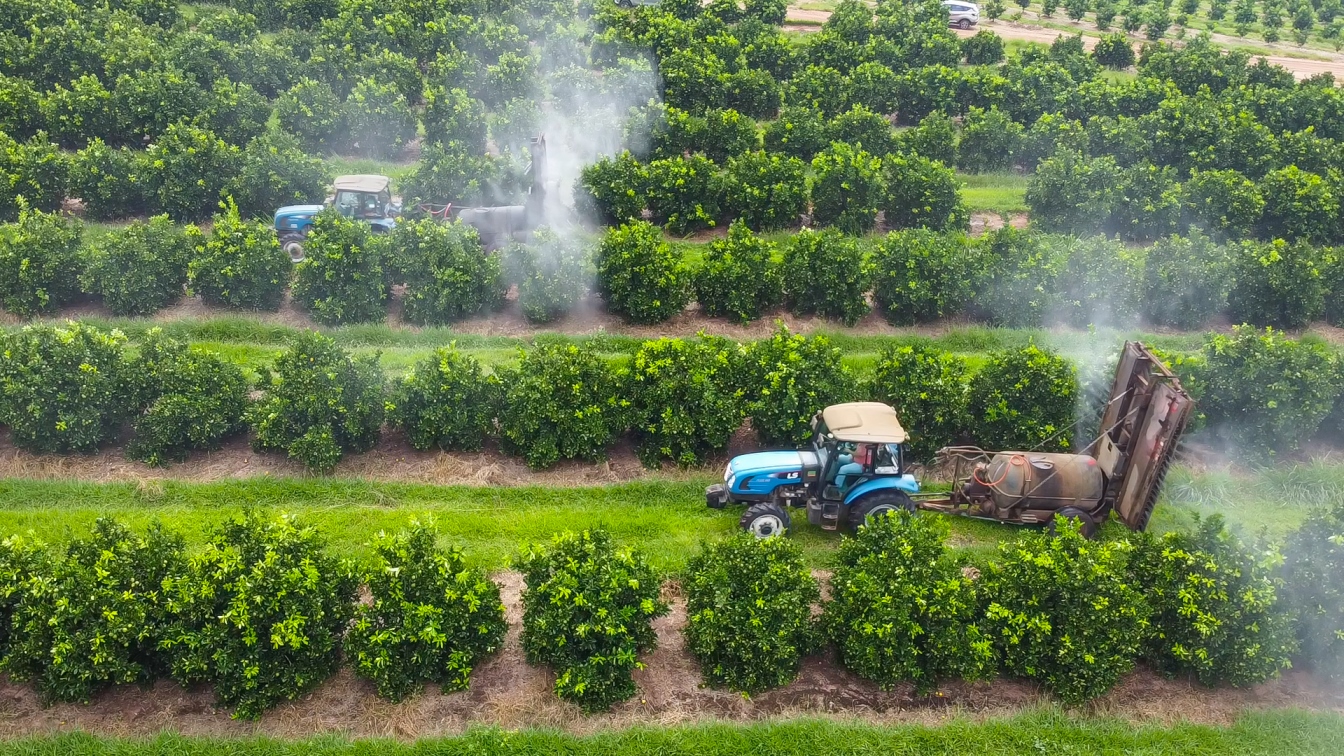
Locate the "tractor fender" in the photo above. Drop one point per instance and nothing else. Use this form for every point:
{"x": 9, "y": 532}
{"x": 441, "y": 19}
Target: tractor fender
{"x": 905, "y": 483}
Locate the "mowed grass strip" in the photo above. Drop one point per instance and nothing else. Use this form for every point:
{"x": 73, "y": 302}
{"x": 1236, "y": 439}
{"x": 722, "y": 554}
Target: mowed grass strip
{"x": 667, "y": 519}
{"x": 1278, "y": 732}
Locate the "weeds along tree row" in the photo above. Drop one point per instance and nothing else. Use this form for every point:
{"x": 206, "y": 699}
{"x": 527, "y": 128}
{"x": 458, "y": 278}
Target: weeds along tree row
{"x": 135, "y": 111}
{"x": 264, "y": 613}
{"x": 1006, "y": 277}
{"x": 76, "y": 389}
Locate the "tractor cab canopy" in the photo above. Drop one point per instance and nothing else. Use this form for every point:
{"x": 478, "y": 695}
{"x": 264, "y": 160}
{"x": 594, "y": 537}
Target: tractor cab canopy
{"x": 860, "y": 423}
{"x": 363, "y": 196}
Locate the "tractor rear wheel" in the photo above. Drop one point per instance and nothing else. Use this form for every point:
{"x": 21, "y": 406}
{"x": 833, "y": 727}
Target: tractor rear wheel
{"x": 1090, "y": 525}
{"x": 765, "y": 519}
{"x": 877, "y": 504}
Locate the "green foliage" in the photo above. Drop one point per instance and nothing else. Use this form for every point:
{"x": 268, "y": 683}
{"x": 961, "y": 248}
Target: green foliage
{"x": 640, "y": 276}
{"x": 1185, "y": 281}
{"x": 431, "y": 618}
{"x": 240, "y": 265}
{"x": 612, "y": 190}
{"x": 587, "y": 612}
{"x": 901, "y": 609}
{"x": 39, "y": 262}
{"x": 1262, "y": 393}
{"x": 64, "y": 389}
{"x": 1298, "y": 205}
{"x": 560, "y": 402}
{"x": 341, "y": 278}
{"x": 35, "y": 170}
{"x": 95, "y": 617}
{"x": 739, "y": 277}
{"x": 983, "y": 49}
{"x": 1216, "y": 610}
{"x": 76, "y": 115}
{"x": 1114, "y": 51}
{"x": 863, "y": 129}
{"x": 377, "y": 119}
{"x": 827, "y": 275}
{"x": 21, "y": 558}
{"x": 922, "y": 193}
{"x": 682, "y": 400}
{"x": 452, "y": 115}
{"x": 192, "y": 400}
{"x": 1024, "y": 399}
{"x": 930, "y": 391}
{"x": 1103, "y": 283}
{"x": 786, "y": 380}
{"x": 139, "y": 269}
{"x": 1023, "y": 277}
{"x": 450, "y": 174}
{"x": 311, "y": 111}
{"x": 766, "y": 191}
{"x": 1276, "y": 284}
{"x": 190, "y": 169}
{"x": 1226, "y": 203}
{"x": 446, "y": 401}
{"x": 319, "y": 403}
{"x": 1313, "y": 556}
{"x": 551, "y": 274}
{"x": 749, "y": 612}
{"x": 921, "y": 276}
{"x": 448, "y": 275}
{"x": 798, "y": 132}
{"x": 847, "y": 188}
{"x": 260, "y": 613}
{"x": 273, "y": 173}
{"x": 1061, "y": 612}
{"x": 236, "y": 113}
{"x": 112, "y": 183}
{"x": 727, "y": 134}
{"x": 990, "y": 141}
{"x": 684, "y": 193}
{"x": 934, "y": 138}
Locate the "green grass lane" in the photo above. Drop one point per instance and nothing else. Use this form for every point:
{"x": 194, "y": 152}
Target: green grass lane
{"x": 1002, "y": 193}
{"x": 665, "y": 518}
{"x": 1279, "y": 732}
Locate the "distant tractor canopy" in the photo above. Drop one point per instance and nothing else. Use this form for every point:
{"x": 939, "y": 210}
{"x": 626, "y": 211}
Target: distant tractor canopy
{"x": 363, "y": 196}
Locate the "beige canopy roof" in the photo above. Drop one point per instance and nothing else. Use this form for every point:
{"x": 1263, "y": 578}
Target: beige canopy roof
{"x": 864, "y": 422}
{"x": 362, "y": 183}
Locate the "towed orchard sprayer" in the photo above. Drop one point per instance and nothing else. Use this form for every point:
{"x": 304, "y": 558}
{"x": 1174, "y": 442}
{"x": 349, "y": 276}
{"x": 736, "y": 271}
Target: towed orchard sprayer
{"x": 855, "y": 467}
{"x": 368, "y": 198}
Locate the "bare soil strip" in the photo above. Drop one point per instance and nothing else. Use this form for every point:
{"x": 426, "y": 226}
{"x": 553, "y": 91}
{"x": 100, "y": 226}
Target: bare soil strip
{"x": 507, "y": 692}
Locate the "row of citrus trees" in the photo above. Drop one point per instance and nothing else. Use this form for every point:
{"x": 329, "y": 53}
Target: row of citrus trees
{"x": 264, "y": 612}
{"x": 75, "y": 389}
{"x": 1007, "y": 277}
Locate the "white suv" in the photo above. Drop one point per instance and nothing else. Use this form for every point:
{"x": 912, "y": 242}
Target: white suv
{"x": 962, "y": 15}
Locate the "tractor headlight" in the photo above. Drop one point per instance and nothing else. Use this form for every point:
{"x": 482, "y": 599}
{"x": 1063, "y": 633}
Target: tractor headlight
{"x": 732, "y": 480}
{"x": 728, "y": 472}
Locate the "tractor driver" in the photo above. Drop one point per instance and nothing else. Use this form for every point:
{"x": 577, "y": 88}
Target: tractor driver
{"x": 853, "y": 461}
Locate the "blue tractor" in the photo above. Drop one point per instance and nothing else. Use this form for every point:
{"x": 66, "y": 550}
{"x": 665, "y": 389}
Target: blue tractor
{"x": 364, "y": 197}
{"x": 855, "y": 466}
{"x": 853, "y": 469}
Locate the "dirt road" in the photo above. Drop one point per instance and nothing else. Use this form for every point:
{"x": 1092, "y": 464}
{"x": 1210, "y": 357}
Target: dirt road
{"x": 1301, "y": 68}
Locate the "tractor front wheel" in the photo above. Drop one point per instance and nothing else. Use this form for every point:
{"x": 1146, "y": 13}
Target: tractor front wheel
{"x": 1090, "y": 525}
{"x": 765, "y": 520}
{"x": 880, "y": 503}
{"x": 292, "y": 244}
